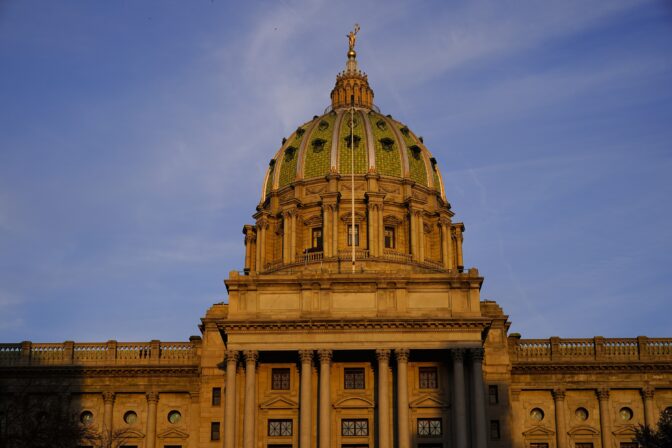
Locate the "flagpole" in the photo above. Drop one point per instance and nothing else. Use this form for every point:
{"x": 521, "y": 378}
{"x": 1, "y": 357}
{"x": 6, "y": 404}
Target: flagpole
{"x": 352, "y": 171}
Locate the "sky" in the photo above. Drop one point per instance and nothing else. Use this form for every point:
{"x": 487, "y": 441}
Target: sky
{"x": 134, "y": 136}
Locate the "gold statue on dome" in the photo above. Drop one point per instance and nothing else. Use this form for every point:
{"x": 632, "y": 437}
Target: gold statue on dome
{"x": 352, "y": 38}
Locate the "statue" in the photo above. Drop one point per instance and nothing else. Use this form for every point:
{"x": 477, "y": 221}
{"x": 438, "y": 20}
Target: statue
{"x": 352, "y": 37}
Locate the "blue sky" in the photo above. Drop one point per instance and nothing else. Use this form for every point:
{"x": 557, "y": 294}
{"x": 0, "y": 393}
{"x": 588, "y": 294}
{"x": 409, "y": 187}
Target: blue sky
{"x": 134, "y": 137}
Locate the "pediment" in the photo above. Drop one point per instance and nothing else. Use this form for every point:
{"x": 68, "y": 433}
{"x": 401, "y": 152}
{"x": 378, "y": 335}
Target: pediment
{"x": 347, "y": 217}
{"x": 539, "y": 431}
{"x": 279, "y": 403}
{"x": 353, "y": 402}
{"x": 391, "y": 220}
{"x": 583, "y": 430}
{"x": 173, "y": 433}
{"x": 132, "y": 434}
{"x": 625, "y": 430}
{"x": 428, "y": 401}
{"x": 313, "y": 221}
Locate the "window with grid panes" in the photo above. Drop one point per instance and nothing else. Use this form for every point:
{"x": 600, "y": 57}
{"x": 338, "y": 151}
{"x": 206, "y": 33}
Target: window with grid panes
{"x": 493, "y": 394}
{"x": 429, "y": 427}
{"x": 280, "y": 379}
{"x": 214, "y": 431}
{"x": 355, "y": 427}
{"x": 280, "y": 428}
{"x": 428, "y": 378}
{"x": 353, "y": 378}
{"x": 584, "y": 445}
{"x": 389, "y": 237}
{"x": 494, "y": 430}
{"x": 350, "y": 234}
{"x": 216, "y": 396}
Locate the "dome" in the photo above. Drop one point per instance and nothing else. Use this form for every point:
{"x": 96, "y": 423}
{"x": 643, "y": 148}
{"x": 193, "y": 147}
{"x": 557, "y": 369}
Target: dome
{"x": 353, "y": 188}
{"x": 382, "y": 145}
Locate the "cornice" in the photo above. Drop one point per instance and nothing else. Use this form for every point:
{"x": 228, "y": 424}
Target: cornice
{"x": 329, "y": 325}
{"x": 98, "y": 371}
{"x": 665, "y": 366}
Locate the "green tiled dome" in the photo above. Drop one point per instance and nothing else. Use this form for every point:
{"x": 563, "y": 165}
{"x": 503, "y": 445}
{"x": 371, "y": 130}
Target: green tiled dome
{"x": 381, "y": 145}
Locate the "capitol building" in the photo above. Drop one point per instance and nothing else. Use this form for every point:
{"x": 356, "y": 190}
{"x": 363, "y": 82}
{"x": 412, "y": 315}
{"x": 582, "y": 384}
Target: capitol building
{"x": 354, "y": 323}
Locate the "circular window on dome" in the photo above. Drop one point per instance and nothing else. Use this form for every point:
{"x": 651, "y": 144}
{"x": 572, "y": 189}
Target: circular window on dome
{"x": 537, "y": 414}
{"x": 86, "y": 417}
{"x": 130, "y": 417}
{"x": 625, "y": 413}
{"x": 174, "y": 417}
{"x": 581, "y": 414}
{"x": 323, "y": 125}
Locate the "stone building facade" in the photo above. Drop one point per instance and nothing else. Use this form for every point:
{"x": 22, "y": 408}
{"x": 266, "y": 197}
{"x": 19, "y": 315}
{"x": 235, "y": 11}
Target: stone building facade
{"x": 353, "y": 324}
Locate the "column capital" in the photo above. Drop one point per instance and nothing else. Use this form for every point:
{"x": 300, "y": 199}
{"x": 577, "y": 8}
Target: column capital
{"x": 477, "y": 354}
{"x": 231, "y": 355}
{"x": 108, "y": 397}
{"x": 383, "y": 355}
{"x": 558, "y": 394}
{"x": 306, "y": 355}
{"x": 152, "y": 397}
{"x": 648, "y": 392}
{"x": 602, "y": 394}
{"x": 402, "y": 354}
{"x": 325, "y": 355}
{"x": 457, "y": 354}
{"x": 251, "y": 356}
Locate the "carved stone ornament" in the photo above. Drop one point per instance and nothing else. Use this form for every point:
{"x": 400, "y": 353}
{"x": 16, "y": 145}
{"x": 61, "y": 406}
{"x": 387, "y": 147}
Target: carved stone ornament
{"x": 347, "y": 217}
{"x": 648, "y": 392}
{"x": 316, "y": 189}
{"x": 558, "y": 394}
{"x": 602, "y": 394}
{"x": 383, "y": 355}
{"x": 477, "y": 353}
{"x": 152, "y": 397}
{"x": 457, "y": 354}
{"x": 232, "y": 355}
{"x": 391, "y": 220}
{"x": 108, "y": 397}
{"x": 306, "y": 356}
{"x": 325, "y": 355}
{"x": 251, "y": 356}
{"x": 402, "y": 354}
{"x": 387, "y": 188}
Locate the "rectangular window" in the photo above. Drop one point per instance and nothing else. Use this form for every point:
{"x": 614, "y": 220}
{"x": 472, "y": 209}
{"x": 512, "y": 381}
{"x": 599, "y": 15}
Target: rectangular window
{"x": 216, "y": 396}
{"x": 429, "y": 427}
{"x": 389, "y": 237}
{"x": 493, "y": 394}
{"x": 214, "y": 431}
{"x": 629, "y": 445}
{"x": 428, "y": 378}
{"x": 355, "y": 427}
{"x": 350, "y": 234}
{"x": 279, "y": 428}
{"x": 316, "y": 239}
{"x": 494, "y": 430}
{"x": 539, "y": 445}
{"x": 353, "y": 378}
{"x": 280, "y": 379}
{"x": 172, "y": 446}
{"x": 584, "y": 445}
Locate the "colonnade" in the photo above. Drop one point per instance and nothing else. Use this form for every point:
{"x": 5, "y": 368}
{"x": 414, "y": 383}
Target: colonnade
{"x": 460, "y": 413}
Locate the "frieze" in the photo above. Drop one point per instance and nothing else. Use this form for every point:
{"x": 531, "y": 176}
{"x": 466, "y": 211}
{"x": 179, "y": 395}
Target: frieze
{"x": 428, "y": 325}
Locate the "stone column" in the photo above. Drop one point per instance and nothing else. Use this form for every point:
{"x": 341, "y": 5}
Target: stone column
{"x": 480, "y": 428}
{"x": 421, "y": 236}
{"x": 108, "y": 409}
{"x": 383, "y": 398}
{"x": 403, "y": 433}
{"x": 262, "y": 248}
{"x": 325, "y": 397}
{"x": 305, "y": 405}
{"x": 605, "y": 419}
{"x": 292, "y": 246}
{"x": 152, "y": 400}
{"x": 195, "y": 419}
{"x": 334, "y": 230}
{"x": 249, "y": 423}
{"x": 460, "y": 408}
{"x": 286, "y": 231}
{"x": 258, "y": 249}
{"x": 649, "y": 413}
{"x": 560, "y": 425}
{"x": 369, "y": 225}
{"x": 381, "y": 231}
{"x": 326, "y": 229}
{"x": 458, "y": 243}
{"x": 230, "y": 403}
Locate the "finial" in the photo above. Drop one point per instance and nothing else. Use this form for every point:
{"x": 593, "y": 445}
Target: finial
{"x": 352, "y": 38}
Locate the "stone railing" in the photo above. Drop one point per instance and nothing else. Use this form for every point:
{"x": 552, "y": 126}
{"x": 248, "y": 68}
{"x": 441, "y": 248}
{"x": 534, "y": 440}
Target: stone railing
{"x": 101, "y": 353}
{"x": 595, "y": 349}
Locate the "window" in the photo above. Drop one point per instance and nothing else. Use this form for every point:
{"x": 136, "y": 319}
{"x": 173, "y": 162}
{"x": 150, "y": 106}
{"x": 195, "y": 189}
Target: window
{"x": 355, "y": 427}
{"x": 216, "y": 396}
{"x": 172, "y": 446}
{"x": 316, "y": 238}
{"x": 353, "y": 378}
{"x": 280, "y": 379}
{"x": 429, "y": 427}
{"x": 493, "y": 394}
{"x": 350, "y": 234}
{"x": 279, "y": 428}
{"x": 494, "y": 430}
{"x": 539, "y": 445}
{"x": 428, "y": 378}
{"x": 389, "y": 237}
{"x": 629, "y": 445}
{"x": 584, "y": 445}
{"x": 214, "y": 431}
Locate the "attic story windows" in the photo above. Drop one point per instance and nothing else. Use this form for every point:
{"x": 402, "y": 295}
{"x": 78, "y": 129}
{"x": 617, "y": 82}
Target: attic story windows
{"x": 280, "y": 379}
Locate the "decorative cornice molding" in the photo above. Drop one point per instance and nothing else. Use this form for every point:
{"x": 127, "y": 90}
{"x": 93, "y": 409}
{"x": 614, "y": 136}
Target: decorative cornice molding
{"x": 420, "y": 324}
{"x": 100, "y": 371}
{"x": 550, "y": 368}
